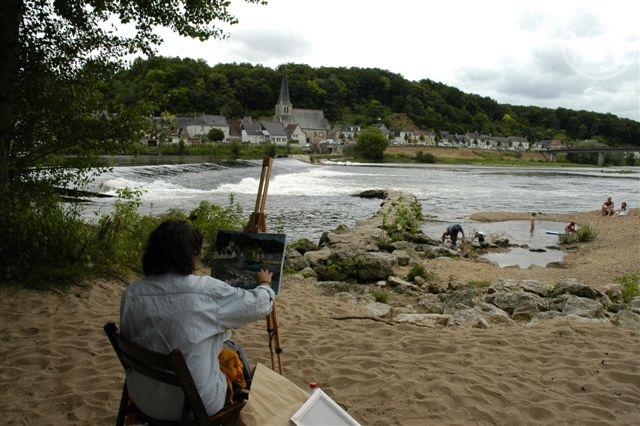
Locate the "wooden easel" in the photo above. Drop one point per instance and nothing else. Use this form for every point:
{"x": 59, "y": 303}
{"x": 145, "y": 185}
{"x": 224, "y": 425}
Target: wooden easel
{"x": 257, "y": 224}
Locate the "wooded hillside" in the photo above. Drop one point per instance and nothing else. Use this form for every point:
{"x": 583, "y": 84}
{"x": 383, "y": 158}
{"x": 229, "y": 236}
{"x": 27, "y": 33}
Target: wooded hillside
{"x": 351, "y": 96}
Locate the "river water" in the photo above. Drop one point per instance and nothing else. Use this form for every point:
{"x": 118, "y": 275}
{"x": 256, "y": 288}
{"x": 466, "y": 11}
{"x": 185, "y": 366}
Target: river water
{"x": 305, "y": 200}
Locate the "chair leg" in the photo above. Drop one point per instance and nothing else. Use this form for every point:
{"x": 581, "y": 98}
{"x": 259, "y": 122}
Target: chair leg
{"x": 124, "y": 402}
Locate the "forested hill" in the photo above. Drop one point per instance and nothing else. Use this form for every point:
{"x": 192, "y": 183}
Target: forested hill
{"x": 351, "y": 96}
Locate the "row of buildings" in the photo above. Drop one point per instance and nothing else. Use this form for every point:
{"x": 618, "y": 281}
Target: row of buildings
{"x": 309, "y": 129}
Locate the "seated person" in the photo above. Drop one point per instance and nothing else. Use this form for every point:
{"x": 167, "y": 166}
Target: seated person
{"x": 170, "y": 308}
{"x": 607, "y": 207}
{"x": 452, "y": 231}
{"x": 570, "y": 228}
{"x": 624, "y": 210}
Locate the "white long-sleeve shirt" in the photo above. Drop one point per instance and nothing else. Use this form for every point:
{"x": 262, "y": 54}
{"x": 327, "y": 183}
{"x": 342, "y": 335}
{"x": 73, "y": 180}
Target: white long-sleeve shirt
{"x": 190, "y": 313}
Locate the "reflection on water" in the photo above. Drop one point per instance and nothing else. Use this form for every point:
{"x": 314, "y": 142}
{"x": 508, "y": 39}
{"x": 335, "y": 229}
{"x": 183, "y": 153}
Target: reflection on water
{"x": 524, "y": 258}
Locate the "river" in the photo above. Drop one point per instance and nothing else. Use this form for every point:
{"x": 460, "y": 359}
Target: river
{"x": 305, "y": 200}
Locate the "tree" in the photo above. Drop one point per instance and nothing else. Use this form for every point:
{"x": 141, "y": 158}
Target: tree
{"x": 58, "y": 56}
{"x": 371, "y": 144}
{"x": 215, "y": 135}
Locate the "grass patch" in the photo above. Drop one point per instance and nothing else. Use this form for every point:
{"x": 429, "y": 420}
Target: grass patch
{"x": 417, "y": 271}
{"x": 380, "y": 296}
{"x": 630, "y": 287}
{"x": 586, "y": 233}
{"x": 479, "y": 283}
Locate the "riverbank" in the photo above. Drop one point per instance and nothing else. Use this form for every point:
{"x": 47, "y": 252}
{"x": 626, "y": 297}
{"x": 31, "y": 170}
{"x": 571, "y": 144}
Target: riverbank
{"x": 58, "y": 367}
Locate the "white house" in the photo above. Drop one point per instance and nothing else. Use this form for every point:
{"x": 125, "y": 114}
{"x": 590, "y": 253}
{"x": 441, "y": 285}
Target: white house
{"x": 275, "y": 132}
{"x": 199, "y": 127}
{"x": 294, "y": 132}
{"x": 251, "y": 131}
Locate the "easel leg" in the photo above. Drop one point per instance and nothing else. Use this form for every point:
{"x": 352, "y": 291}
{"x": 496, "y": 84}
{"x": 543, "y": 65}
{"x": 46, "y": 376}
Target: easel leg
{"x": 274, "y": 340}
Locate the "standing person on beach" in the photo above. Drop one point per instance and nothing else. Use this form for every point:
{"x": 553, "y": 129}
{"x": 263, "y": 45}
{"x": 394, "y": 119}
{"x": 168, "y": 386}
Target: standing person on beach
{"x": 452, "y": 231}
{"x": 170, "y": 308}
{"x": 532, "y": 223}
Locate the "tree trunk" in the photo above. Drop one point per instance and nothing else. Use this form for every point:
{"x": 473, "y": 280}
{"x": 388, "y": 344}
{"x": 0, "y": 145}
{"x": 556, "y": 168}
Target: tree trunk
{"x": 10, "y": 19}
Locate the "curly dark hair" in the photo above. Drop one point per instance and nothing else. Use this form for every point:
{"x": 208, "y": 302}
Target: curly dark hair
{"x": 172, "y": 247}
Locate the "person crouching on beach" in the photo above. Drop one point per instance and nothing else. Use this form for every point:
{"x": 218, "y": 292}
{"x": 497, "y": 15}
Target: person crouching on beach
{"x": 570, "y": 228}
{"x": 170, "y": 308}
{"x": 607, "y": 207}
{"x": 452, "y": 232}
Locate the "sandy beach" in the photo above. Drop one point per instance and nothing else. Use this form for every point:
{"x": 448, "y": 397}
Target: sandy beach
{"x": 57, "y": 366}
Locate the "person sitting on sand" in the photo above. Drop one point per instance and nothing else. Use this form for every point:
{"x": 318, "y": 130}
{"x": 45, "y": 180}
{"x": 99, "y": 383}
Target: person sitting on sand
{"x": 170, "y": 308}
{"x": 607, "y": 207}
{"x": 532, "y": 223}
{"x": 624, "y": 210}
{"x": 570, "y": 228}
{"x": 452, "y": 232}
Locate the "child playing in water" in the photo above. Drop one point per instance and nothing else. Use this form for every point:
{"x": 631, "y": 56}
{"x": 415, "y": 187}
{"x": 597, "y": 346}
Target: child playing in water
{"x": 532, "y": 223}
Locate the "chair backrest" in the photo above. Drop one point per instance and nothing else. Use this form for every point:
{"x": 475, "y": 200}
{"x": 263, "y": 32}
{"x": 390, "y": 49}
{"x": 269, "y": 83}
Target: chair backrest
{"x": 171, "y": 369}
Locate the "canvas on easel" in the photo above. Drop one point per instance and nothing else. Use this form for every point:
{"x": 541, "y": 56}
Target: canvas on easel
{"x": 239, "y": 255}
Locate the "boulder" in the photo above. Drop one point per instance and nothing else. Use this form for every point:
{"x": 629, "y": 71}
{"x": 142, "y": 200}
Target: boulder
{"x": 346, "y": 297}
{"x": 526, "y": 311}
{"x": 614, "y": 291}
{"x": 294, "y": 260}
{"x": 634, "y": 305}
{"x": 303, "y": 245}
{"x": 318, "y": 257}
{"x": 583, "y": 307}
{"x": 308, "y": 272}
{"x": 510, "y": 301}
{"x": 503, "y": 285}
{"x": 402, "y": 257}
{"x": 535, "y": 287}
{"x": 467, "y": 317}
{"x": 332, "y": 287}
{"x": 373, "y": 193}
{"x": 572, "y": 286}
{"x": 375, "y": 266}
{"x": 435, "y": 287}
{"x": 419, "y": 281}
{"x": 460, "y": 299}
{"x": 430, "y": 303}
{"x": 542, "y": 316}
{"x": 378, "y": 310}
{"x": 627, "y": 318}
{"x": 493, "y": 314}
{"x": 399, "y": 310}
{"x": 404, "y": 245}
{"x": 501, "y": 242}
{"x": 328, "y": 238}
{"x": 427, "y": 320}
{"x": 403, "y": 285}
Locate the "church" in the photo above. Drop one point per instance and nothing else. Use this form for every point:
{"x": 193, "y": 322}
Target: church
{"x": 311, "y": 121}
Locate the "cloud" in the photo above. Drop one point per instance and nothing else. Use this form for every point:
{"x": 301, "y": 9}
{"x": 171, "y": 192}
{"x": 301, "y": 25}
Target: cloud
{"x": 267, "y": 45}
{"x": 545, "y": 77}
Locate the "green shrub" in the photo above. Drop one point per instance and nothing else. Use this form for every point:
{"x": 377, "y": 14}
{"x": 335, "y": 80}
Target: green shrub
{"x": 586, "y": 233}
{"x": 479, "y": 283}
{"x": 404, "y": 219}
{"x": 422, "y": 157}
{"x": 417, "y": 271}
{"x": 339, "y": 270}
{"x": 630, "y": 287}
{"x": 210, "y": 218}
{"x": 380, "y": 296}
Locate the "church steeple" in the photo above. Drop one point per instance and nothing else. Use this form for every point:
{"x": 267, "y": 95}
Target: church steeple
{"x": 284, "y": 106}
{"x": 284, "y": 89}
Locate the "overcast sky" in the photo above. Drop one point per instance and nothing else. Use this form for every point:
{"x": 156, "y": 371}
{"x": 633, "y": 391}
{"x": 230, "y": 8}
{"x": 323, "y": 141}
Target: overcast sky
{"x": 575, "y": 54}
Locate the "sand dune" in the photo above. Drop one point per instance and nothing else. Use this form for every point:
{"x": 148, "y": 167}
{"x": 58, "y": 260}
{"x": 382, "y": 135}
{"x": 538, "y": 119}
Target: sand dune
{"x": 58, "y": 368}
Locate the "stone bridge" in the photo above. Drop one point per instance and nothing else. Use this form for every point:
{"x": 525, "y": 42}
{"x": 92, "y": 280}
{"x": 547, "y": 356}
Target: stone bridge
{"x": 551, "y": 153}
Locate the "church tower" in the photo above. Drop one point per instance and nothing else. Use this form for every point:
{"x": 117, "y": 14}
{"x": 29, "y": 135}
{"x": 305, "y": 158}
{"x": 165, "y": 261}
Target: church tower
{"x": 284, "y": 106}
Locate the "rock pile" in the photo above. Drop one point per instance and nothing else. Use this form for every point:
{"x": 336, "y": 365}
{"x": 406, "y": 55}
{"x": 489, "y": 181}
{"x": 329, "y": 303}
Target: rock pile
{"x": 367, "y": 255}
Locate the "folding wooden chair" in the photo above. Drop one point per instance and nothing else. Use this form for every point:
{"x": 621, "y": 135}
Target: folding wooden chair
{"x": 171, "y": 369}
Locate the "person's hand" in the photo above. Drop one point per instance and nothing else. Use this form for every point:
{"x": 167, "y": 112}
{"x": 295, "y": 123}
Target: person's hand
{"x": 263, "y": 276}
